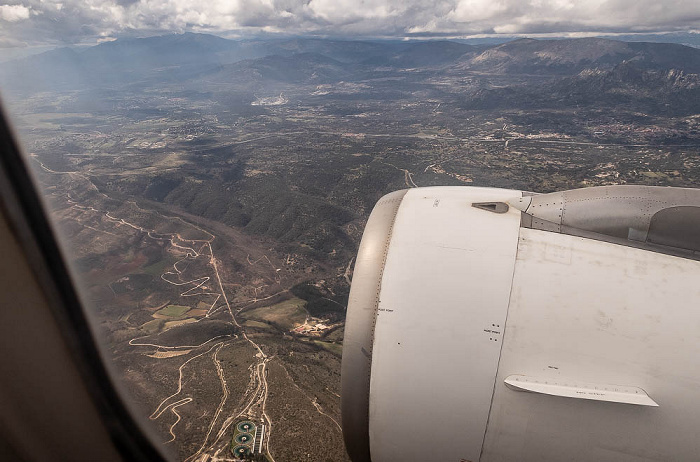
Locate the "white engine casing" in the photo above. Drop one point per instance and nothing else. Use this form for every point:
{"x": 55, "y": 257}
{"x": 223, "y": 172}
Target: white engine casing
{"x": 450, "y": 301}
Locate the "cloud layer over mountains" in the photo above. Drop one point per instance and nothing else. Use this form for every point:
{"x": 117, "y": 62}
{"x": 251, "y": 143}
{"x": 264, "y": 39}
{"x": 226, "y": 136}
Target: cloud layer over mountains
{"x": 27, "y": 22}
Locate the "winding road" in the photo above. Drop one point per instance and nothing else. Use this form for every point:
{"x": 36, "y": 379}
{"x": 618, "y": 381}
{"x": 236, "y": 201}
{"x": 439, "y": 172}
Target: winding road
{"x": 256, "y": 393}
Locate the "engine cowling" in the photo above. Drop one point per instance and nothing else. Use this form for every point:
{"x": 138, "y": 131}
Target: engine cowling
{"x": 485, "y": 324}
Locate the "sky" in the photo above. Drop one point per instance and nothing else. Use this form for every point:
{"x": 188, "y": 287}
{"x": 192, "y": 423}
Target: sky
{"x": 31, "y": 23}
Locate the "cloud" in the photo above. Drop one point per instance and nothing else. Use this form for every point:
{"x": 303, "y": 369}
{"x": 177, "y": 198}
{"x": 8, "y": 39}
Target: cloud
{"x": 71, "y": 21}
{"x": 13, "y": 13}
{"x": 472, "y": 11}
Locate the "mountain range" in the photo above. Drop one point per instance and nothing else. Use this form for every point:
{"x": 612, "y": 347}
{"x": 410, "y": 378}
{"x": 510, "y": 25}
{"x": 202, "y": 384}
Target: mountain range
{"x": 183, "y": 57}
{"x": 521, "y": 74}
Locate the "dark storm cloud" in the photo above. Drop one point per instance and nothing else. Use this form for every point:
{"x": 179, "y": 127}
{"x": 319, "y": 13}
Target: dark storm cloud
{"x": 71, "y": 21}
{"x": 125, "y": 3}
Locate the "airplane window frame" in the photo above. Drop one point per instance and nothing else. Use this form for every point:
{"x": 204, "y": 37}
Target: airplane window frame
{"x": 27, "y": 216}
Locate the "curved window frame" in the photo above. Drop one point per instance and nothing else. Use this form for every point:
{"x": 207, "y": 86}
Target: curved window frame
{"x": 23, "y": 208}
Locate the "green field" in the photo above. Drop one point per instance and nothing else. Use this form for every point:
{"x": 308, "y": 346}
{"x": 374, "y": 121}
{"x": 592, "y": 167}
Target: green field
{"x": 286, "y": 314}
{"x": 257, "y": 325}
{"x": 157, "y": 268}
{"x": 170, "y": 324}
{"x": 152, "y": 326}
{"x": 173, "y": 311}
{"x": 334, "y": 348}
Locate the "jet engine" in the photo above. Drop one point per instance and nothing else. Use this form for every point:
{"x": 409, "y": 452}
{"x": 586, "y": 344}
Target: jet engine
{"x": 490, "y": 325}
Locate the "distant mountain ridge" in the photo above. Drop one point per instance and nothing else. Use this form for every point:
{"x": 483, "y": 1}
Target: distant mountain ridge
{"x": 669, "y": 92}
{"x": 570, "y": 56}
{"x": 181, "y": 58}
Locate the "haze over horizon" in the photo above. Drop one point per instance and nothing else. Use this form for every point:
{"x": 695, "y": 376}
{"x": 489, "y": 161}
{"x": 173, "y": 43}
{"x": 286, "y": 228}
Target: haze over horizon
{"x": 35, "y": 23}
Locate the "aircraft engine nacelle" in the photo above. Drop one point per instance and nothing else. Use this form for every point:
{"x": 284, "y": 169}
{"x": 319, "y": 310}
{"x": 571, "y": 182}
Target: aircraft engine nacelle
{"x": 488, "y": 324}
